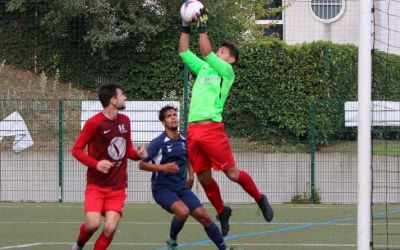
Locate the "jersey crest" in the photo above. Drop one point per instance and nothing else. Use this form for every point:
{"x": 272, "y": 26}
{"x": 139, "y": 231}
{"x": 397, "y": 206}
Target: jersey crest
{"x": 117, "y": 148}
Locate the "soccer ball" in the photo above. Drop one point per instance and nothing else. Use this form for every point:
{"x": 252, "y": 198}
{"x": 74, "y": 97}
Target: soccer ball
{"x": 189, "y": 9}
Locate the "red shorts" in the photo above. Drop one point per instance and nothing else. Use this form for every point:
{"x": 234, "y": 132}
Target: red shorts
{"x": 209, "y": 147}
{"x": 99, "y": 199}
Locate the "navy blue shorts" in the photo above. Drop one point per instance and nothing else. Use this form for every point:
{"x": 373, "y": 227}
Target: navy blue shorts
{"x": 166, "y": 197}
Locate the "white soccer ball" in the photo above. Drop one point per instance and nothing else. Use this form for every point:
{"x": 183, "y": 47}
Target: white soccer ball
{"x": 189, "y": 9}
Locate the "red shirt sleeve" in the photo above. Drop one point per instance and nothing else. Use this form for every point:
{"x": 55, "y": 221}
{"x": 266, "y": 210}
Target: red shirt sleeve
{"x": 132, "y": 153}
{"x": 84, "y": 137}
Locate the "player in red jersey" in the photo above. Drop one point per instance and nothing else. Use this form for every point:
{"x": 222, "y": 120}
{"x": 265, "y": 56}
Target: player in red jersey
{"x": 107, "y": 136}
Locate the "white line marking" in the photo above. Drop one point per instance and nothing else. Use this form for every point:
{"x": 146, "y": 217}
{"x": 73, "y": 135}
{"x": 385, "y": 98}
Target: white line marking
{"x": 251, "y": 205}
{"x": 70, "y": 243}
{"x": 168, "y": 223}
{"x": 190, "y": 223}
{"x": 234, "y": 244}
{"x": 290, "y": 206}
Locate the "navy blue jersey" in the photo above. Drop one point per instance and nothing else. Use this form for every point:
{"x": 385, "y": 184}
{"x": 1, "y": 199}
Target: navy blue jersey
{"x": 163, "y": 150}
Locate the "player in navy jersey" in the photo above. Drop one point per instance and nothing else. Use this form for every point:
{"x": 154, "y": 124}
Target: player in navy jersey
{"x": 167, "y": 159}
{"x": 107, "y": 136}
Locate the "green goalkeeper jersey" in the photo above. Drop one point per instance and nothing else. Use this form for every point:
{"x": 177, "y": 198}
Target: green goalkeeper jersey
{"x": 214, "y": 78}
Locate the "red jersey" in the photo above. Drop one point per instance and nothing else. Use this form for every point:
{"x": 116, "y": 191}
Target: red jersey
{"x": 106, "y": 140}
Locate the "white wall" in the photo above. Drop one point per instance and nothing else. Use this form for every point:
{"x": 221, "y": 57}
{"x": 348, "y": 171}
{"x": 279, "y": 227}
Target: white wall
{"x": 301, "y": 26}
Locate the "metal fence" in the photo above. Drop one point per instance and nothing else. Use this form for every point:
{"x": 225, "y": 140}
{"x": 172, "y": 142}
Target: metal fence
{"x": 46, "y": 171}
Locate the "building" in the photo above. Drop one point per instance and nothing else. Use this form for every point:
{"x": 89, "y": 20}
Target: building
{"x": 334, "y": 20}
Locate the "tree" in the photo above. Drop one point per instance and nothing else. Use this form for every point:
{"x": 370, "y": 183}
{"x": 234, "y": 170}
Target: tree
{"x": 104, "y": 23}
{"x": 129, "y": 41}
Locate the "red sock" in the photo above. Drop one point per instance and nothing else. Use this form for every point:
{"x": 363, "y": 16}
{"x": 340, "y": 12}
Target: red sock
{"x": 214, "y": 196}
{"x": 84, "y": 236}
{"x": 248, "y": 185}
{"x": 102, "y": 242}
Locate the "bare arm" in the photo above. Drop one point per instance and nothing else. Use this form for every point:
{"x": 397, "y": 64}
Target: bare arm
{"x": 170, "y": 167}
{"x": 205, "y": 45}
{"x": 183, "y": 42}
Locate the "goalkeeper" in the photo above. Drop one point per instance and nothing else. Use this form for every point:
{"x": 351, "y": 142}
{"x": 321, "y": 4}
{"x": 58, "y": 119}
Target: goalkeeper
{"x": 207, "y": 142}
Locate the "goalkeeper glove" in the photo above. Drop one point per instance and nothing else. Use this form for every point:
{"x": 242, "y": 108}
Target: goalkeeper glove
{"x": 202, "y": 19}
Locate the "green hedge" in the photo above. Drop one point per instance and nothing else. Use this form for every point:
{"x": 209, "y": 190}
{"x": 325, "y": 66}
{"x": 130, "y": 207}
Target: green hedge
{"x": 285, "y": 81}
{"x": 277, "y": 85}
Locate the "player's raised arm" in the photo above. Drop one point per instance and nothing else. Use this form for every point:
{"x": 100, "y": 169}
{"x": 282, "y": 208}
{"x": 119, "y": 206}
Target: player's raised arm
{"x": 194, "y": 62}
{"x": 184, "y": 39}
{"x": 183, "y": 42}
{"x": 204, "y": 41}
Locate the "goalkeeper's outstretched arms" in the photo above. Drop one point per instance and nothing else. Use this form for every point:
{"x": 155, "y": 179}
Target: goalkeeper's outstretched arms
{"x": 204, "y": 41}
{"x": 184, "y": 39}
{"x": 205, "y": 45}
{"x": 194, "y": 62}
{"x": 183, "y": 42}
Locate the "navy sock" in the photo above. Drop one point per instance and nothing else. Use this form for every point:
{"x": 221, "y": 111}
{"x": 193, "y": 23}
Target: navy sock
{"x": 176, "y": 227}
{"x": 215, "y": 235}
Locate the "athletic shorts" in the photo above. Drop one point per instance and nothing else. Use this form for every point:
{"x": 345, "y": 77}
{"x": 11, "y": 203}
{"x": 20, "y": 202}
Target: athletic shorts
{"x": 166, "y": 197}
{"x": 209, "y": 147}
{"x": 99, "y": 199}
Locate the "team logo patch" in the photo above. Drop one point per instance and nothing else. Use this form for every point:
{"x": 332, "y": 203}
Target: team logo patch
{"x": 117, "y": 148}
{"x": 122, "y": 129}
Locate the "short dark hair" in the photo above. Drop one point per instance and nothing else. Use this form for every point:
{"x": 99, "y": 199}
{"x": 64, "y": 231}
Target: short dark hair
{"x": 106, "y": 92}
{"x": 161, "y": 113}
{"x": 233, "y": 50}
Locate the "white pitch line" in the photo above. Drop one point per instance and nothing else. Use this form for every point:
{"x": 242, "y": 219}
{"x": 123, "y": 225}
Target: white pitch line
{"x": 40, "y": 206}
{"x": 240, "y": 207}
{"x": 33, "y": 244}
{"x": 234, "y": 244}
{"x": 308, "y": 245}
{"x": 190, "y": 223}
{"x": 70, "y": 243}
{"x": 290, "y": 206}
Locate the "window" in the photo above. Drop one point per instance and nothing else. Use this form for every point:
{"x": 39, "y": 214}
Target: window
{"x": 273, "y": 4}
{"x": 274, "y": 22}
{"x": 276, "y": 30}
{"x": 327, "y": 11}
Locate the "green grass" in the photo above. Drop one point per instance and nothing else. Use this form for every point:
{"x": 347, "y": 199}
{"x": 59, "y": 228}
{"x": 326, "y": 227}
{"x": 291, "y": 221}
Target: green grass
{"x": 389, "y": 147}
{"x": 55, "y": 226}
{"x": 244, "y": 145}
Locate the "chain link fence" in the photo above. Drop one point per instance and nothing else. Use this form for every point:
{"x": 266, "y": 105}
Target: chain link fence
{"x": 287, "y": 169}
